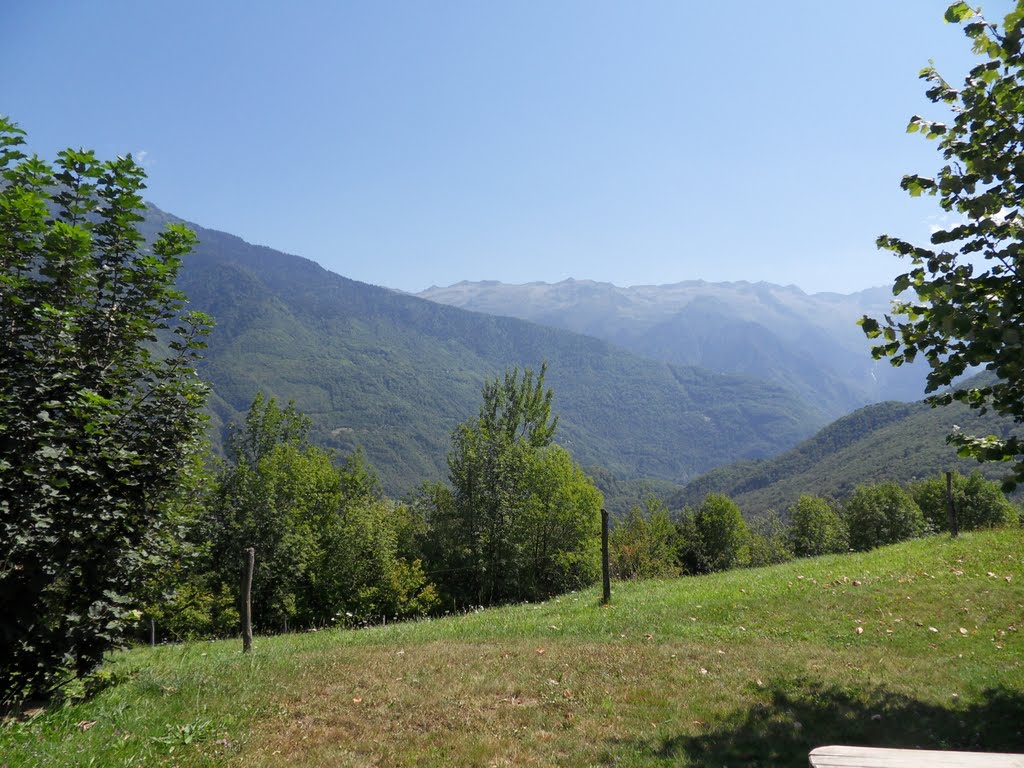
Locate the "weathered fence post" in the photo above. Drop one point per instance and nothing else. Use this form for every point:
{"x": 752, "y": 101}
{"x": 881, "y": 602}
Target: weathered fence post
{"x": 954, "y": 523}
{"x": 152, "y": 632}
{"x": 250, "y": 562}
{"x": 605, "y": 575}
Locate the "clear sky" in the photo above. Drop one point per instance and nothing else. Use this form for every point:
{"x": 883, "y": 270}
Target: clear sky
{"x": 416, "y": 143}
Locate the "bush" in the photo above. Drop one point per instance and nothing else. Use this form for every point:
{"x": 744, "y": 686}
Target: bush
{"x": 714, "y": 537}
{"x": 882, "y": 514}
{"x": 194, "y": 611}
{"x": 360, "y": 572}
{"x": 768, "y": 543}
{"x": 816, "y": 528}
{"x": 643, "y": 545}
{"x": 979, "y": 503}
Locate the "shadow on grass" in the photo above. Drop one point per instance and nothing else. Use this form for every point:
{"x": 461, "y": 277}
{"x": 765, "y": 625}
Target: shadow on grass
{"x": 799, "y": 716}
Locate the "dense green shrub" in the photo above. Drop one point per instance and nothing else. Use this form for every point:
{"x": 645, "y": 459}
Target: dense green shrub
{"x": 815, "y": 528}
{"x": 520, "y": 520}
{"x": 328, "y": 545}
{"x": 979, "y": 503}
{"x": 881, "y": 514}
{"x": 768, "y": 542}
{"x": 714, "y": 537}
{"x": 98, "y": 418}
{"x": 359, "y": 575}
{"x": 192, "y": 610}
{"x": 644, "y": 544}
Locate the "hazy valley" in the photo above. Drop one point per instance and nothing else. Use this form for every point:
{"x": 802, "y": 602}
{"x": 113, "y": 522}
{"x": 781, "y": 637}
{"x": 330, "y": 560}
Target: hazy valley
{"x": 808, "y": 342}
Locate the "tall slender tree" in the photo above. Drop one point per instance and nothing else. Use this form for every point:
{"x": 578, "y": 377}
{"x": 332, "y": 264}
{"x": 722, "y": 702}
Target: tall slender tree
{"x": 519, "y": 520}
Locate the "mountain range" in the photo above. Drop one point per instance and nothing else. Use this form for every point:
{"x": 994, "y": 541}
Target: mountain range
{"x": 395, "y": 373}
{"x": 807, "y": 342}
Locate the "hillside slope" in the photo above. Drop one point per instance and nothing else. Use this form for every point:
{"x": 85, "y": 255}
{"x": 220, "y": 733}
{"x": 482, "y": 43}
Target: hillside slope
{"x": 809, "y": 342}
{"x": 888, "y": 441}
{"x": 914, "y": 645}
{"x": 395, "y": 373}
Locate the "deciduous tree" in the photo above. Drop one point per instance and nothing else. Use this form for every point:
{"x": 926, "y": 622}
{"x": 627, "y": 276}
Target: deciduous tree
{"x": 979, "y": 503}
{"x": 520, "y": 520}
{"x": 276, "y": 493}
{"x": 644, "y": 544}
{"x": 967, "y": 288}
{"x": 881, "y": 514}
{"x": 714, "y": 536}
{"x": 100, "y": 406}
{"x": 815, "y": 528}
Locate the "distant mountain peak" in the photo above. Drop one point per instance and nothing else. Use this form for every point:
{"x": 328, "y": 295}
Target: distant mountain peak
{"x": 394, "y": 373}
{"x": 760, "y": 329}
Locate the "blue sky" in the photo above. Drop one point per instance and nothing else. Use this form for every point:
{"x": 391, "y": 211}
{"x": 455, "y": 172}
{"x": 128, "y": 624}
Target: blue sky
{"x": 409, "y": 143}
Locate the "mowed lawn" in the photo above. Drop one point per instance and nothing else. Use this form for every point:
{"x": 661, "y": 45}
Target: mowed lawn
{"x": 915, "y": 645}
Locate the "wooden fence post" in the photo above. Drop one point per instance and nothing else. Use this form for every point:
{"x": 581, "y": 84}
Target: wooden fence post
{"x": 250, "y": 562}
{"x": 954, "y": 523}
{"x": 152, "y": 632}
{"x": 605, "y": 575}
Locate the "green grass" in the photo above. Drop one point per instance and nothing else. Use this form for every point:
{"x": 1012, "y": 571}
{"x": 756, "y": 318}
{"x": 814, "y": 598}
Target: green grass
{"x": 915, "y": 645}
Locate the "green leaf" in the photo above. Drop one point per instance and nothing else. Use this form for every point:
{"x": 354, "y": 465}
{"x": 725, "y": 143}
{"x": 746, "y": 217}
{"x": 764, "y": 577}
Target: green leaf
{"x": 958, "y": 12}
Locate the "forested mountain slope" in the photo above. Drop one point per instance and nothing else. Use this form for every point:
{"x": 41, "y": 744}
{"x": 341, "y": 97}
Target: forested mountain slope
{"x": 395, "y": 373}
{"x": 809, "y": 342}
{"x": 887, "y": 441}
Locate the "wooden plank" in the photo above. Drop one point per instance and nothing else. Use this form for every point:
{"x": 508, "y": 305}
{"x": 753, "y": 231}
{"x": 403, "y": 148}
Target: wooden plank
{"x": 874, "y": 757}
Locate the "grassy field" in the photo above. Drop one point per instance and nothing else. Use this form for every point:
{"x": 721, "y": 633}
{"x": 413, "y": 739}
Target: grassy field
{"x": 915, "y": 645}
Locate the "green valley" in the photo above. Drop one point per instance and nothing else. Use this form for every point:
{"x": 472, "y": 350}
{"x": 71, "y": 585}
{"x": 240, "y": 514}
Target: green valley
{"x": 394, "y": 373}
{"x": 889, "y": 441}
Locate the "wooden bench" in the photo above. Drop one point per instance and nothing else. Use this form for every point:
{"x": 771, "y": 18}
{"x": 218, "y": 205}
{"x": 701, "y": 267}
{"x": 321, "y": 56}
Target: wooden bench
{"x": 872, "y": 757}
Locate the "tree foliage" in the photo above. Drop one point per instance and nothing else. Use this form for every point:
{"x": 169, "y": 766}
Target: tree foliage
{"x": 645, "y": 543}
{"x": 967, "y": 305}
{"x": 274, "y": 493}
{"x": 100, "y": 406}
{"x": 561, "y": 526}
{"x": 361, "y": 573}
{"x": 520, "y": 518}
{"x": 979, "y": 503}
{"x": 881, "y": 514}
{"x": 328, "y": 545}
{"x": 816, "y": 528}
{"x": 180, "y": 597}
{"x": 714, "y": 536}
{"x": 768, "y": 542}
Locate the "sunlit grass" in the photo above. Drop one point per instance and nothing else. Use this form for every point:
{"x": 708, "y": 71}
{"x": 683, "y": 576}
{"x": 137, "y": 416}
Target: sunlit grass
{"x": 912, "y": 645}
